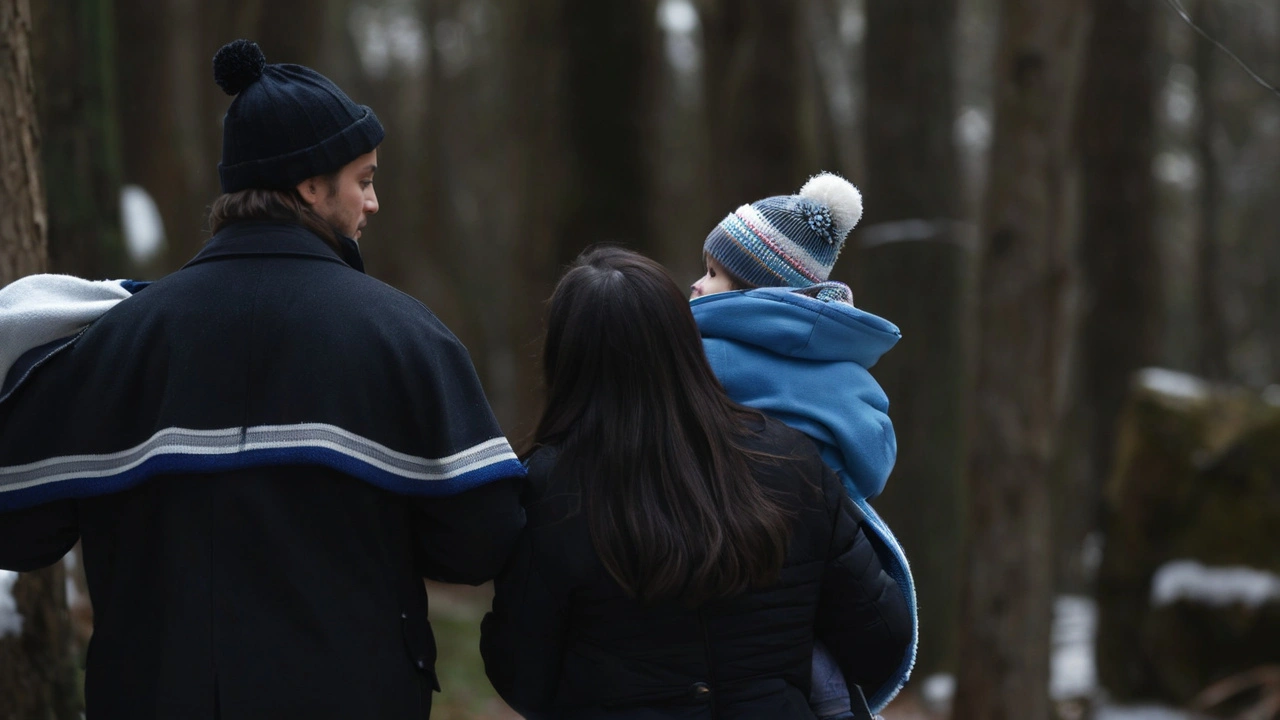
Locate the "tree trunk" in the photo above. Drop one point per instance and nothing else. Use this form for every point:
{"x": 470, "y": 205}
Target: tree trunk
{"x": 165, "y": 131}
{"x": 1120, "y": 258}
{"x": 837, "y": 78}
{"x": 754, "y": 80}
{"x": 681, "y": 213}
{"x": 75, "y": 60}
{"x": 460, "y": 177}
{"x": 1213, "y": 347}
{"x": 537, "y": 176}
{"x": 290, "y": 30}
{"x": 611, "y": 56}
{"x": 36, "y": 668}
{"x": 1007, "y": 593}
{"x": 911, "y": 177}
{"x": 581, "y": 79}
{"x": 22, "y": 220}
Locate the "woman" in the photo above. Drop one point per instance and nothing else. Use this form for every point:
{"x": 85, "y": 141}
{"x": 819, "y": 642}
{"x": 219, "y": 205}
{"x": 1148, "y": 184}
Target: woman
{"x": 682, "y": 552}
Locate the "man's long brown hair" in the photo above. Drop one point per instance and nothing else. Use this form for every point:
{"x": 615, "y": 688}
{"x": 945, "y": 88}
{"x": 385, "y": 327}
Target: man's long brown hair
{"x": 643, "y": 423}
{"x": 273, "y": 205}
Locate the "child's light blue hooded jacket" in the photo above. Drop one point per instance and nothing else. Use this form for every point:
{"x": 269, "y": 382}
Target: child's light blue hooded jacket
{"x": 806, "y": 362}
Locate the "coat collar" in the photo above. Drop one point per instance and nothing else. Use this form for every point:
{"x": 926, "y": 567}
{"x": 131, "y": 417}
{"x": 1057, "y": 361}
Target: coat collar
{"x": 276, "y": 239}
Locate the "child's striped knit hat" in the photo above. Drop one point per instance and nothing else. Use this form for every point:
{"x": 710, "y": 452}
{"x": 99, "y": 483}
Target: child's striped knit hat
{"x": 788, "y": 240}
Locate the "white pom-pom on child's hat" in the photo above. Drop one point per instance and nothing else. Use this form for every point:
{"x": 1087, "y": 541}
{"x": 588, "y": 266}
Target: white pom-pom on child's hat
{"x": 788, "y": 240}
{"x": 839, "y": 195}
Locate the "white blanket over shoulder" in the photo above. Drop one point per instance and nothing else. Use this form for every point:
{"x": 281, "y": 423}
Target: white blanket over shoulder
{"x": 39, "y": 309}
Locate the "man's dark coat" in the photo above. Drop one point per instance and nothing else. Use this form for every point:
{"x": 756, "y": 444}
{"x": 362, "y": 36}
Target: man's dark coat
{"x": 263, "y": 453}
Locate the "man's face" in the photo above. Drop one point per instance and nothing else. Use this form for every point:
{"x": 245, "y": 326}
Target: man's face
{"x": 349, "y": 200}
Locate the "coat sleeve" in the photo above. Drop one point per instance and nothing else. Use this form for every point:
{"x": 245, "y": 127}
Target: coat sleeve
{"x": 522, "y": 640}
{"x": 37, "y": 537}
{"x": 466, "y": 538}
{"x": 465, "y": 533}
{"x": 862, "y": 614}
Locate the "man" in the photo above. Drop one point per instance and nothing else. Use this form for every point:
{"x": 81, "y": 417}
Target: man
{"x": 265, "y": 451}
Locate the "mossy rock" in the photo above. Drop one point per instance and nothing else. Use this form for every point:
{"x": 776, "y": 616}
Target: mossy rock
{"x": 1192, "y": 644}
{"x": 1197, "y": 477}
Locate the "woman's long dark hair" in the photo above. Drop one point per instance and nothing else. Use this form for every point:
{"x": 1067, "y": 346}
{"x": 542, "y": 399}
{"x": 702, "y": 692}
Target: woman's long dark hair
{"x": 642, "y": 421}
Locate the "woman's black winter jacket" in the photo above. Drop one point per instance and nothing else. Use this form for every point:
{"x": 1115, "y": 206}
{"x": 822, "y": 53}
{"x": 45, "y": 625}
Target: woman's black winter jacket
{"x": 564, "y": 640}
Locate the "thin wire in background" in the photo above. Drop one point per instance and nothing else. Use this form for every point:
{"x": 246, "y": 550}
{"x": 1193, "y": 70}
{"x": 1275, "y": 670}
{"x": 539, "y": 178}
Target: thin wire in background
{"x": 1187, "y": 19}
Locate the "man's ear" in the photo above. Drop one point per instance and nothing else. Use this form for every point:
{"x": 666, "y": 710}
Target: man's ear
{"x": 309, "y": 189}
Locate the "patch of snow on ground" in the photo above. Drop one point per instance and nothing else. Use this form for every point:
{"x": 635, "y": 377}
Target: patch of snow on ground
{"x": 937, "y": 690}
{"x": 1271, "y": 395}
{"x": 1173, "y": 384}
{"x": 1072, "y": 671}
{"x": 1091, "y": 553}
{"x": 680, "y": 23}
{"x": 142, "y": 224}
{"x": 1177, "y": 168}
{"x": 392, "y": 36}
{"x": 73, "y": 592}
{"x": 973, "y": 129}
{"x": 10, "y": 620}
{"x": 679, "y": 16}
{"x": 1189, "y": 580}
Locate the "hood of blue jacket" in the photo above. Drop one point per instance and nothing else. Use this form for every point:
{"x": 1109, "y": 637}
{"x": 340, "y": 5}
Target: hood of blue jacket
{"x": 806, "y": 362}
{"x": 797, "y": 326}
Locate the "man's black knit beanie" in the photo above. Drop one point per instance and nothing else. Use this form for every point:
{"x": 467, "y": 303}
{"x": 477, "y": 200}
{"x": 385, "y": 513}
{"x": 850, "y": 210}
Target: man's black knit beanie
{"x": 287, "y": 122}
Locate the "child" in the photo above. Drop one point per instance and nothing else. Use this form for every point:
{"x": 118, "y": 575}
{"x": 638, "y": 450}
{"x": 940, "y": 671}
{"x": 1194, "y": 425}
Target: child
{"x": 791, "y": 343}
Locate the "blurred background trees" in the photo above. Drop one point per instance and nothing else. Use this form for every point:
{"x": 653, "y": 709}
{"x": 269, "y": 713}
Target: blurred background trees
{"x": 1058, "y": 194}
{"x": 912, "y": 265}
{"x": 1023, "y": 271}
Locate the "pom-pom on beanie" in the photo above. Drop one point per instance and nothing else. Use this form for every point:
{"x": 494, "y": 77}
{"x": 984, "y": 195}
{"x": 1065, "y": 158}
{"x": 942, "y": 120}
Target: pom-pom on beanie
{"x": 788, "y": 240}
{"x": 287, "y": 122}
